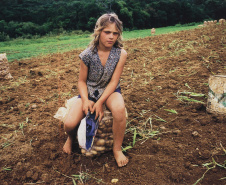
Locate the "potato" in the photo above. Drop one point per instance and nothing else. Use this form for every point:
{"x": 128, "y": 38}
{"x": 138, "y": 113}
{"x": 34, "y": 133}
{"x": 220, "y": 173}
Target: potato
{"x": 95, "y": 140}
{"x": 109, "y": 143}
{"x": 99, "y": 131}
{"x": 101, "y": 126}
{"x": 104, "y": 130}
{"x": 108, "y": 148}
{"x": 83, "y": 151}
{"x": 94, "y": 152}
{"x": 107, "y": 113}
{"x": 108, "y": 121}
{"x": 104, "y": 119}
{"x": 102, "y": 135}
{"x": 109, "y": 126}
{"x": 99, "y": 148}
{"x": 89, "y": 154}
{"x": 100, "y": 142}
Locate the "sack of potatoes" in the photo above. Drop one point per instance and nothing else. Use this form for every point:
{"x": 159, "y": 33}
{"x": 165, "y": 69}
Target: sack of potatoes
{"x": 103, "y": 141}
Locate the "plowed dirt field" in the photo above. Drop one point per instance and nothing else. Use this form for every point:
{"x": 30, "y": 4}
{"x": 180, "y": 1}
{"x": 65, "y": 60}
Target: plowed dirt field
{"x": 177, "y": 140}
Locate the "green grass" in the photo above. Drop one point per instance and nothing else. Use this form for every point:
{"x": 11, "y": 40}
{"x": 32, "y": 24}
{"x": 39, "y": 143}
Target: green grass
{"x": 146, "y": 33}
{"x": 27, "y": 48}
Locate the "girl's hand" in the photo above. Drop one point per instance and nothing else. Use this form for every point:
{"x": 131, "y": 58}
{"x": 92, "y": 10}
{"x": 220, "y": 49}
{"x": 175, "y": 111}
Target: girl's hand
{"x": 98, "y": 107}
{"x": 87, "y": 106}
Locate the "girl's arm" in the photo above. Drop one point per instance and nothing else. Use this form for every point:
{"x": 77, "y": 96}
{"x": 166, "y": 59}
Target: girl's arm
{"x": 98, "y": 106}
{"x": 82, "y": 87}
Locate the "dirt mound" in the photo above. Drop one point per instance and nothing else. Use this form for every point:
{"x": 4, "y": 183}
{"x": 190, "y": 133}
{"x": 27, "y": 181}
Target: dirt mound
{"x": 176, "y": 139}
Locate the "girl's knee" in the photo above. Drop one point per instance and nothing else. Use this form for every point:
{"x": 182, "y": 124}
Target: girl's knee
{"x": 119, "y": 113}
{"x": 117, "y": 106}
{"x": 69, "y": 125}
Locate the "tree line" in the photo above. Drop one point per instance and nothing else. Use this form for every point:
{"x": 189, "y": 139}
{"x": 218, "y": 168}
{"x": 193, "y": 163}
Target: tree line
{"x": 25, "y": 18}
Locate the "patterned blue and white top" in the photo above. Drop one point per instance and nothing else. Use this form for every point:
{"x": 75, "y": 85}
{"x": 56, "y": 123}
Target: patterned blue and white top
{"x": 98, "y": 75}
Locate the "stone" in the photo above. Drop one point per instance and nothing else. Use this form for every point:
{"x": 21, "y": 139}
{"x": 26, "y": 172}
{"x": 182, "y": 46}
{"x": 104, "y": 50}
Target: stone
{"x": 195, "y": 134}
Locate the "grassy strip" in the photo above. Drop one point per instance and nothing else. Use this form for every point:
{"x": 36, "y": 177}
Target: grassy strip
{"x": 27, "y": 48}
{"x": 127, "y": 35}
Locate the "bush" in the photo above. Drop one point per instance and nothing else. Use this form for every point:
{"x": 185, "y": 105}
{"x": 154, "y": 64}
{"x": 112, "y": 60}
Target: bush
{"x": 4, "y": 37}
{"x": 29, "y": 28}
{"x": 87, "y": 32}
{"x": 190, "y": 24}
{"x": 178, "y": 25}
{"x": 3, "y": 25}
{"x": 77, "y": 32}
{"x": 27, "y": 36}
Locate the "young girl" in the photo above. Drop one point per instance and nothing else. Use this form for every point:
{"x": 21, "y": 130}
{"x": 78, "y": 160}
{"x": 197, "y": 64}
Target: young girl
{"x": 101, "y": 66}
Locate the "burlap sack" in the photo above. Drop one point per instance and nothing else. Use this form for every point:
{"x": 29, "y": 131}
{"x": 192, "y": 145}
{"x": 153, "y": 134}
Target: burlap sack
{"x": 216, "y": 102}
{"x": 4, "y": 67}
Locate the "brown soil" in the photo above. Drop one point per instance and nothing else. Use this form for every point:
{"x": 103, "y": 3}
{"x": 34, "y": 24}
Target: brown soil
{"x": 158, "y": 69}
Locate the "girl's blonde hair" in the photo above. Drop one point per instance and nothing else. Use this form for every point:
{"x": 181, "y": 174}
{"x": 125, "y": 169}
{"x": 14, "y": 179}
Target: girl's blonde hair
{"x": 102, "y": 23}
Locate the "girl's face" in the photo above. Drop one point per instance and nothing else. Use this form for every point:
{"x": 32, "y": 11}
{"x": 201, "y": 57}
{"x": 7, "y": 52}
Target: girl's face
{"x": 108, "y": 36}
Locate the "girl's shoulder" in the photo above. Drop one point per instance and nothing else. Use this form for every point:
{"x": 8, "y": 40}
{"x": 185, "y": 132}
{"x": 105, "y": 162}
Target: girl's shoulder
{"x": 86, "y": 52}
{"x": 123, "y": 53}
{"x": 119, "y": 51}
{"x": 86, "y": 56}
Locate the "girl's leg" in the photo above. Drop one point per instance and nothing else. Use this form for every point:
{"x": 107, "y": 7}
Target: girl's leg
{"x": 73, "y": 118}
{"x": 116, "y": 105}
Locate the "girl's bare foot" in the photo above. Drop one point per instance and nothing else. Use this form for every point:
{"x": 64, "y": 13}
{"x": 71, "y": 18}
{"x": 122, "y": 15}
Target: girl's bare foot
{"x": 67, "y": 148}
{"x": 120, "y": 158}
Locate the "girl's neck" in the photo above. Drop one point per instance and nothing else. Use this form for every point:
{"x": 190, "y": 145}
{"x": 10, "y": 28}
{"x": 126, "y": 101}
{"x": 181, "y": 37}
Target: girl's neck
{"x": 103, "y": 48}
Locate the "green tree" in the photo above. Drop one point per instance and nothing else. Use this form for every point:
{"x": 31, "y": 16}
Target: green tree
{"x": 24, "y": 17}
{"x": 124, "y": 14}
